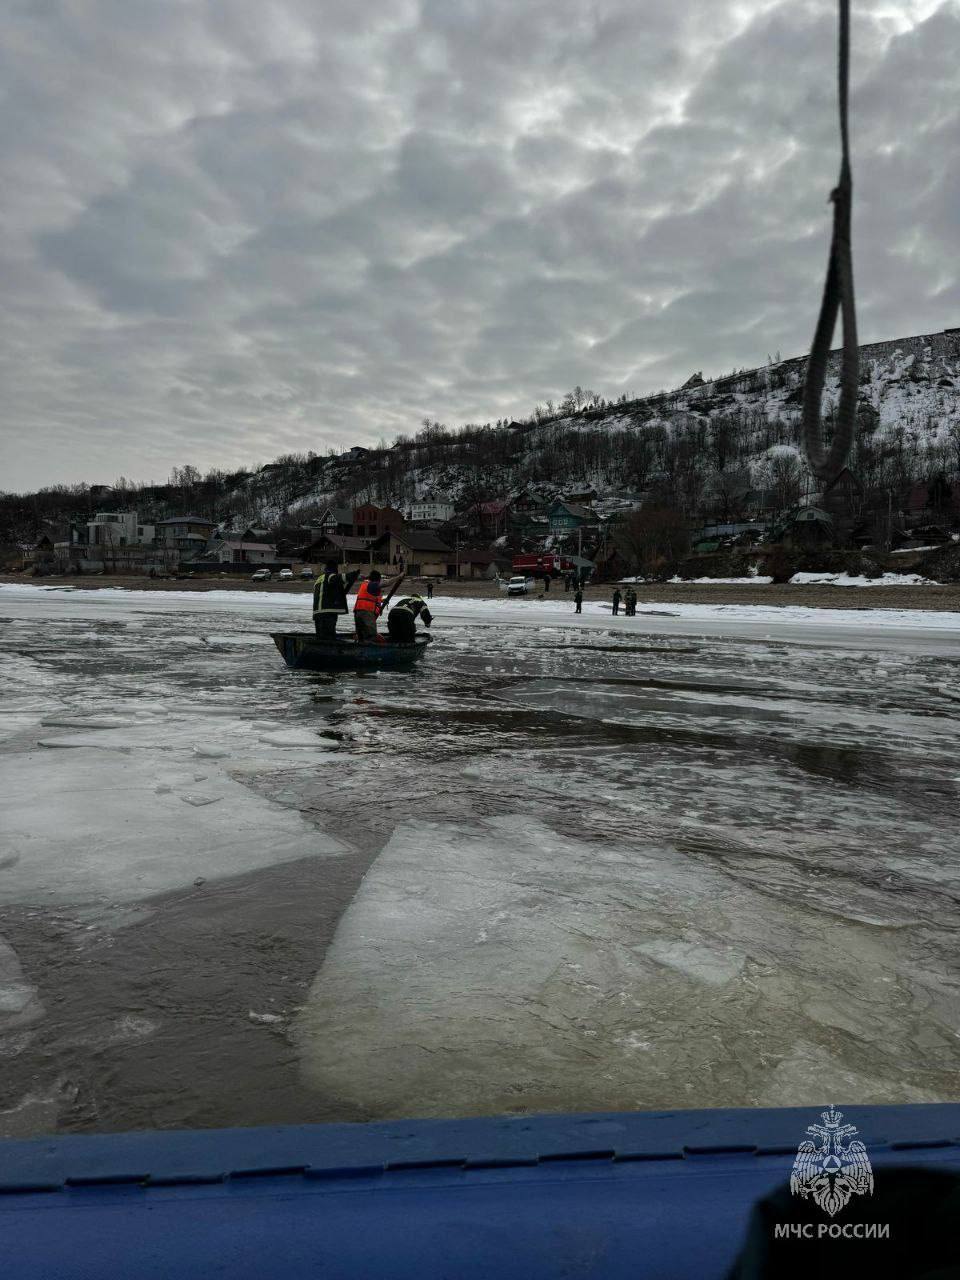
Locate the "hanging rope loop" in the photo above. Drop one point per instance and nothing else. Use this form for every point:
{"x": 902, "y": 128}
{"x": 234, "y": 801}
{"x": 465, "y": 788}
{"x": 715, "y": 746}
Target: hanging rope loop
{"x": 838, "y": 297}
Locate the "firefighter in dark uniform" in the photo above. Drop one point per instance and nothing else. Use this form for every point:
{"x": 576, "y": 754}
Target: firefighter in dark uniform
{"x": 402, "y": 619}
{"x": 330, "y": 599}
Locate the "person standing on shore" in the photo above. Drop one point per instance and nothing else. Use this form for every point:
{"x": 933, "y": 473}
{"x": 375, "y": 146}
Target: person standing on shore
{"x": 578, "y": 599}
{"x": 616, "y": 602}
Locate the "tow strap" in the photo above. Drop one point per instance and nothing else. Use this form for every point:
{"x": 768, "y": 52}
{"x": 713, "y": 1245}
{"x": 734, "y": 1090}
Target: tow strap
{"x": 826, "y": 465}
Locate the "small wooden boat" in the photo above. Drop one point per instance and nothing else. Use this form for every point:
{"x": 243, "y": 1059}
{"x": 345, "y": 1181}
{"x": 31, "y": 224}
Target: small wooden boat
{"x": 304, "y": 651}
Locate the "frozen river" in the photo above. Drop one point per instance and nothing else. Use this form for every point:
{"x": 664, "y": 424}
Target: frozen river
{"x": 704, "y": 856}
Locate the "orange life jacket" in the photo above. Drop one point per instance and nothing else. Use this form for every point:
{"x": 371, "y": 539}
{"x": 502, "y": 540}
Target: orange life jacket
{"x": 367, "y": 601}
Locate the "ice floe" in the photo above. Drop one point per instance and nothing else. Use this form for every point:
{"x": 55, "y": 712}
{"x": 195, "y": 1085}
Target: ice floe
{"x": 507, "y": 966}
{"x": 99, "y": 830}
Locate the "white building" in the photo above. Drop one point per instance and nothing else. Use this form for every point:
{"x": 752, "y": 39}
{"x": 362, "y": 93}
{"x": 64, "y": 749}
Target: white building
{"x": 112, "y": 540}
{"x": 424, "y": 512}
{"x": 236, "y": 552}
{"x": 119, "y": 529}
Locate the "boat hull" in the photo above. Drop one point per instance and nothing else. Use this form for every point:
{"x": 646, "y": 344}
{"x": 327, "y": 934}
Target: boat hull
{"x": 303, "y": 651}
{"x": 522, "y": 1197}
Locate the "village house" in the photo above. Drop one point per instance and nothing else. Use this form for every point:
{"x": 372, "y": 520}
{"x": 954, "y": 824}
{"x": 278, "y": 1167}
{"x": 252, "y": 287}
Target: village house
{"x": 235, "y": 554}
{"x": 419, "y": 553}
{"x": 344, "y": 548}
{"x": 186, "y": 534}
{"x": 115, "y": 529}
{"x": 843, "y": 501}
{"x": 582, "y": 497}
{"x": 568, "y": 517}
{"x": 807, "y": 528}
{"x": 430, "y": 512}
{"x": 255, "y": 533}
{"x": 528, "y": 509}
{"x": 528, "y": 524}
{"x": 370, "y": 521}
{"x": 290, "y": 541}
{"x": 530, "y": 501}
{"x": 490, "y": 518}
{"x": 230, "y": 551}
{"x": 41, "y": 553}
{"x": 334, "y": 520}
{"x": 111, "y": 540}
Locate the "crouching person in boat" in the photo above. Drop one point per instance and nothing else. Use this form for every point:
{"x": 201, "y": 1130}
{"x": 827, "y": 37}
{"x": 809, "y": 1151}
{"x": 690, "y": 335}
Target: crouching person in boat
{"x": 402, "y": 619}
{"x": 330, "y": 599}
{"x": 369, "y": 606}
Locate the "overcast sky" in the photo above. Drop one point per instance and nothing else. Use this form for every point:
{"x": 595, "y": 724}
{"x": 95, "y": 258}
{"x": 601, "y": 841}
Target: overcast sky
{"x": 235, "y": 228}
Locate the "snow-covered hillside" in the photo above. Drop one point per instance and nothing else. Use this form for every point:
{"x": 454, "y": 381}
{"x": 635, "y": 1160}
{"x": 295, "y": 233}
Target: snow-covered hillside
{"x": 720, "y": 447}
{"x": 699, "y": 445}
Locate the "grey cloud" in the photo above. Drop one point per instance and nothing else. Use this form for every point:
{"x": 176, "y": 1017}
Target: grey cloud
{"x": 234, "y": 229}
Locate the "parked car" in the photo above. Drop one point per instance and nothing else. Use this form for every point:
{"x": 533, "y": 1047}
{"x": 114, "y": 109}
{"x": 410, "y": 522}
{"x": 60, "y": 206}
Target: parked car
{"x": 285, "y": 575}
{"x": 307, "y": 571}
{"x": 517, "y": 586}
{"x": 261, "y": 575}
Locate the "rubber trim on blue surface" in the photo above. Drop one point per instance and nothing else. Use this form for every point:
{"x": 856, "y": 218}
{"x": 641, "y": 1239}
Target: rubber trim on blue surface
{"x": 174, "y": 1158}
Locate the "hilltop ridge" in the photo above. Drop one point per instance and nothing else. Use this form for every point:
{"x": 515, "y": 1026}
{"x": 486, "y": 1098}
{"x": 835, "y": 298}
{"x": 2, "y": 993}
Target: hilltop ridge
{"x": 714, "y": 447}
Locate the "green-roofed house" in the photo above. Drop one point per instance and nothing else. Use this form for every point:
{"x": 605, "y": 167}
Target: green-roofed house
{"x": 568, "y": 517}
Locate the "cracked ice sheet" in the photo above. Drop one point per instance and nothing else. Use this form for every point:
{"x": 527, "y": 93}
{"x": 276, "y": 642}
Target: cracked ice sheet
{"x": 95, "y": 827}
{"x": 503, "y": 967}
{"x": 19, "y": 1003}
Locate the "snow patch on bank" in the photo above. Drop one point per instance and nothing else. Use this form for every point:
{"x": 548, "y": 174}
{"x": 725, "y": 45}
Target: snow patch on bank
{"x": 858, "y": 580}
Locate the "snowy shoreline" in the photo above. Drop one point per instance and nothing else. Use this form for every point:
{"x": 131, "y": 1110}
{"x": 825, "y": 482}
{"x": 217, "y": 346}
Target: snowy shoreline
{"x": 799, "y": 580}
{"x": 788, "y": 622}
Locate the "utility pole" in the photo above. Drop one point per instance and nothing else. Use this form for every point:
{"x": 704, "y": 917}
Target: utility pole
{"x": 889, "y": 519}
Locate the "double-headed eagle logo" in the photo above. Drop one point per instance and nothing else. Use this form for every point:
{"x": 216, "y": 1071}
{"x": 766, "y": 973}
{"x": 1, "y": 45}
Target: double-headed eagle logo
{"x": 831, "y": 1165}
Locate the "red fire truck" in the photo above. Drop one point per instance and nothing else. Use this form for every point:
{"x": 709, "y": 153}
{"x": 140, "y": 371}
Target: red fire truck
{"x": 538, "y": 566}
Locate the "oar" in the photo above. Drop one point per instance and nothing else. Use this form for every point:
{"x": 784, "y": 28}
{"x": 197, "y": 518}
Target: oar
{"x": 383, "y": 607}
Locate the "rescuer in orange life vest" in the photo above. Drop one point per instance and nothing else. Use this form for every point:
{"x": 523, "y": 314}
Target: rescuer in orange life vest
{"x": 369, "y": 606}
